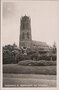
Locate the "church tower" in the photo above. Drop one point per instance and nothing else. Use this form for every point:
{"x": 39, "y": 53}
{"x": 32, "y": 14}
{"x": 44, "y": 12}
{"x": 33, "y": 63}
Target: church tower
{"x": 25, "y": 32}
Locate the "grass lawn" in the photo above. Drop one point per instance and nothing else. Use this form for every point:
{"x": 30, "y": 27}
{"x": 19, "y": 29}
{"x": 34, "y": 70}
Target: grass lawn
{"x": 19, "y": 69}
{"x": 28, "y": 80}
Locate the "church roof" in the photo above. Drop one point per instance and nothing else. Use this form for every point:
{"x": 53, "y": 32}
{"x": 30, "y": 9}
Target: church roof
{"x": 39, "y": 43}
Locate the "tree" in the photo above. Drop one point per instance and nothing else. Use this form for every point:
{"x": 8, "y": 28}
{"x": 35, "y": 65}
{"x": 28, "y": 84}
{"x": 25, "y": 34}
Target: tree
{"x": 9, "y": 54}
{"x": 54, "y": 48}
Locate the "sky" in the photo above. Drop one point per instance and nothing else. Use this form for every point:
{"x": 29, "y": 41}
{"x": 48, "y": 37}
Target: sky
{"x": 44, "y": 20}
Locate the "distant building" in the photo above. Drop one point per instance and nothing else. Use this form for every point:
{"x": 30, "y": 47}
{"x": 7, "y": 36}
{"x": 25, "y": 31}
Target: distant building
{"x": 26, "y": 37}
{"x": 25, "y": 32}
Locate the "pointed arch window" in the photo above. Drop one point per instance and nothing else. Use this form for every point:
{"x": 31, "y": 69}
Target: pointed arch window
{"x": 23, "y": 26}
{"x": 27, "y": 35}
{"x": 23, "y": 35}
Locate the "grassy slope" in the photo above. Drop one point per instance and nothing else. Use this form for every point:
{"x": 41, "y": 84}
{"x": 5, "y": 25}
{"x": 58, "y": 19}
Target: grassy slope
{"x": 28, "y": 76}
{"x": 29, "y": 80}
{"x": 17, "y": 69}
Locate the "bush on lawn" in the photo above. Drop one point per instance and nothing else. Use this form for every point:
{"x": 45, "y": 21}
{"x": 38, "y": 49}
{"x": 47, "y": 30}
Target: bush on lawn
{"x": 37, "y": 63}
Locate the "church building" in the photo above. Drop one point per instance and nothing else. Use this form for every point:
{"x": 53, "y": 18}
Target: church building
{"x": 25, "y": 40}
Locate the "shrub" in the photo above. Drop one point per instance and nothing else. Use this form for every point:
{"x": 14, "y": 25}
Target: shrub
{"x": 37, "y": 63}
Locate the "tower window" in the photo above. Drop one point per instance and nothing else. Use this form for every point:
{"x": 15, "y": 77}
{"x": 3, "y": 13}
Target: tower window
{"x": 23, "y": 26}
{"x": 23, "y": 35}
{"x": 27, "y": 35}
{"x": 27, "y": 25}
